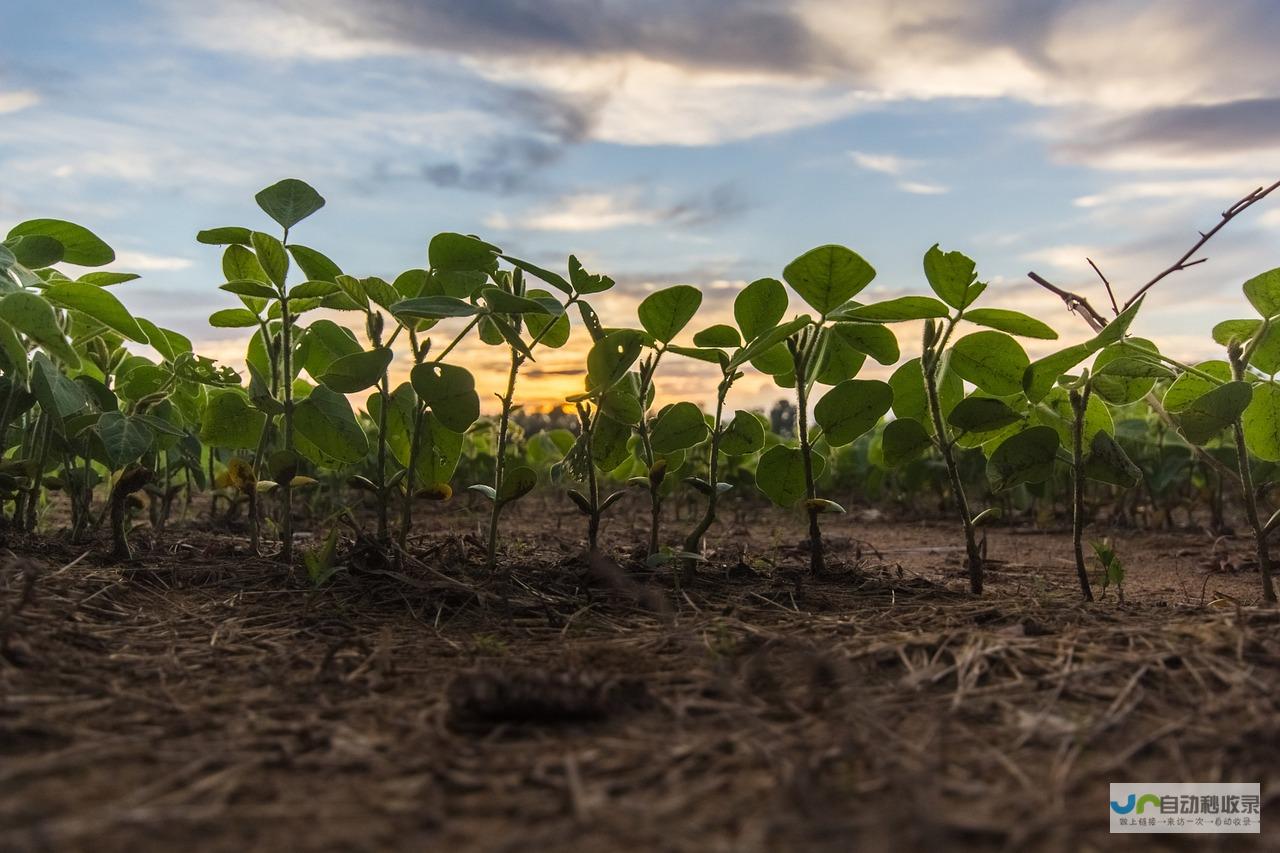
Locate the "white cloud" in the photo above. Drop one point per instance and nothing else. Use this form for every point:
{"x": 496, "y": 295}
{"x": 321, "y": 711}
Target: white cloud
{"x": 886, "y": 164}
{"x": 12, "y": 102}
{"x": 920, "y": 188}
{"x": 1223, "y": 189}
{"x": 128, "y": 261}
{"x": 579, "y": 212}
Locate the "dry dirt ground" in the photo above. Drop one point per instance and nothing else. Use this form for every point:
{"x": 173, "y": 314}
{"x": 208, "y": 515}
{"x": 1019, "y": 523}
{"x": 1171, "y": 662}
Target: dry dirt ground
{"x": 202, "y": 698}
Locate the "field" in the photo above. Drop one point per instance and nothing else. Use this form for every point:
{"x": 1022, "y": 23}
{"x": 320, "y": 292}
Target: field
{"x": 293, "y": 603}
{"x": 199, "y": 698}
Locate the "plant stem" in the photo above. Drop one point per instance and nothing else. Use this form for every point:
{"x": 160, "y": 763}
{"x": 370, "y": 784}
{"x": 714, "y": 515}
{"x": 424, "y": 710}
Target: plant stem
{"x": 1247, "y": 490}
{"x": 499, "y": 465}
{"x": 286, "y": 385}
{"x": 930, "y": 363}
{"x": 655, "y": 487}
{"x": 1079, "y": 404}
{"x": 419, "y": 413}
{"x": 693, "y": 544}
{"x": 801, "y": 352}
{"x": 384, "y": 497}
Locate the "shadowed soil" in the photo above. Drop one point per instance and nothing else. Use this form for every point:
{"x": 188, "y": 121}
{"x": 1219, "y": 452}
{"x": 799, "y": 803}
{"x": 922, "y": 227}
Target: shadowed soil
{"x": 204, "y": 698}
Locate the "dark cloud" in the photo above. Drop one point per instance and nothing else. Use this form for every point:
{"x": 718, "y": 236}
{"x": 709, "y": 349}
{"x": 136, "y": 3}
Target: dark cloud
{"x": 547, "y": 126}
{"x": 704, "y": 33}
{"x": 719, "y": 204}
{"x": 1194, "y": 129}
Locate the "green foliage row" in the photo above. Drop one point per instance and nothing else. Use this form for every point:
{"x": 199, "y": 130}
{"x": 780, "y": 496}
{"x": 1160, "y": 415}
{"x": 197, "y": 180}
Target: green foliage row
{"x": 93, "y": 411}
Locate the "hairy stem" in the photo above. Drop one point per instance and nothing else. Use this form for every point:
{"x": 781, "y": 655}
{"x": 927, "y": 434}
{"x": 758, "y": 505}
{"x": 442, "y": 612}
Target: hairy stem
{"x": 1079, "y": 404}
{"x": 693, "y": 544}
{"x": 1248, "y": 493}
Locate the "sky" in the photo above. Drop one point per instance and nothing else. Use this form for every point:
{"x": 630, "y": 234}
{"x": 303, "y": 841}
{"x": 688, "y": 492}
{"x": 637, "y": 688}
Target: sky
{"x": 703, "y": 142}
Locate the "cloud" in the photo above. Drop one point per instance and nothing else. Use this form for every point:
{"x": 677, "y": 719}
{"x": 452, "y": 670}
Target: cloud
{"x": 885, "y": 164}
{"x": 892, "y": 164}
{"x": 627, "y": 207}
{"x": 920, "y": 188}
{"x": 145, "y": 262}
{"x": 12, "y": 102}
{"x": 1224, "y": 190}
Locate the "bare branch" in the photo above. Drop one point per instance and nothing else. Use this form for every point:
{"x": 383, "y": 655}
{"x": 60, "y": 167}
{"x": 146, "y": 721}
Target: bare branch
{"x": 1075, "y": 303}
{"x": 1110, "y": 293}
{"x": 1227, "y": 215}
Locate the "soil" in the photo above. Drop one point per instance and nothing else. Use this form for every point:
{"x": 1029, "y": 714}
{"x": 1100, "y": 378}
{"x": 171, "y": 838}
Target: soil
{"x": 204, "y": 698}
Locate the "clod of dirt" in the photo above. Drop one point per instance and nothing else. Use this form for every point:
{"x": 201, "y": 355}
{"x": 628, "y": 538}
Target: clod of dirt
{"x": 489, "y": 698}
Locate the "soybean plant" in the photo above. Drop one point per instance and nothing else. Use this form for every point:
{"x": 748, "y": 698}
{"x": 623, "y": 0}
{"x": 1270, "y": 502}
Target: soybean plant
{"x": 829, "y": 350}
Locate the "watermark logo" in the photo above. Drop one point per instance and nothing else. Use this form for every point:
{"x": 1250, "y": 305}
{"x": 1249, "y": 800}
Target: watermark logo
{"x": 1186, "y": 807}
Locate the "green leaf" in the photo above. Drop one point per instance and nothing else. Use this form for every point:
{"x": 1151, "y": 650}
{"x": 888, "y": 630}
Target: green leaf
{"x": 107, "y": 279}
{"x": 98, "y": 304}
{"x": 59, "y": 396}
{"x": 233, "y": 318}
{"x": 357, "y": 371}
{"x": 249, "y": 288}
{"x": 1025, "y": 457}
{"x": 609, "y": 443}
{"x": 167, "y": 342}
{"x": 982, "y": 414}
{"x": 516, "y": 483}
{"x": 621, "y": 404}
{"x": 611, "y": 357}
{"x": 434, "y": 308}
{"x": 584, "y": 282}
{"x": 272, "y": 256}
{"x": 380, "y": 291}
{"x": 240, "y": 264}
{"x": 1212, "y": 412}
{"x": 896, "y": 310}
{"x": 759, "y": 307}
{"x": 768, "y": 340}
{"x": 30, "y": 314}
{"x": 1115, "y": 331}
{"x": 1189, "y": 387}
{"x": 314, "y": 265}
{"x": 952, "y": 276}
{"x": 871, "y": 339}
{"x": 744, "y": 434}
{"x": 226, "y": 236}
{"x": 1107, "y": 462}
{"x": 555, "y": 317}
{"x": 80, "y": 245}
{"x": 36, "y": 250}
{"x": 993, "y": 361}
{"x": 678, "y": 427}
{"x": 1261, "y": 421}
{"x": 840, "y": 361}
{"x": 554, "y": 279}
{"x": 14, "y": 355}
{"x": 324, "y": 343}
{"x": 501, "y": 302}
{"x": 460, "y": 252}
{"x": 289, "y": 202}
{"x": 1262, "y": 291}
{"x": 719, "y": 335}
{"x": 666, "y": 312}
{"x": 229, "y": 420}
{"x": 1041, "y": 375}
{"x": 712, "y": 356}
{"x": 325, "y": 419}
{"x": 828, "y": 276}
{"x": 1120, "y": 378}
{"x": 780, "y": 474}
{"x": 125, "y": 438}
{"x": 1013, "y": 322}
{"x": 909, "y": 396}
{"x": 142, "y": 381}
{"x": 449, "y": 391}
{"x": 851, "y": 409}
{"x": 312, "y": 290}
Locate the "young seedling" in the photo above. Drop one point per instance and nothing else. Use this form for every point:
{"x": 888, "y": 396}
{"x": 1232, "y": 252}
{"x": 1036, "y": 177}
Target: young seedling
{"x": 1253, "y": 354}
{"x": 758, "y": 310}
{"x": 607, "y": 412}
{"x": 257, "y": 269}
{"x": 830, "y": 351}
{"x": 929, "y": 394}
